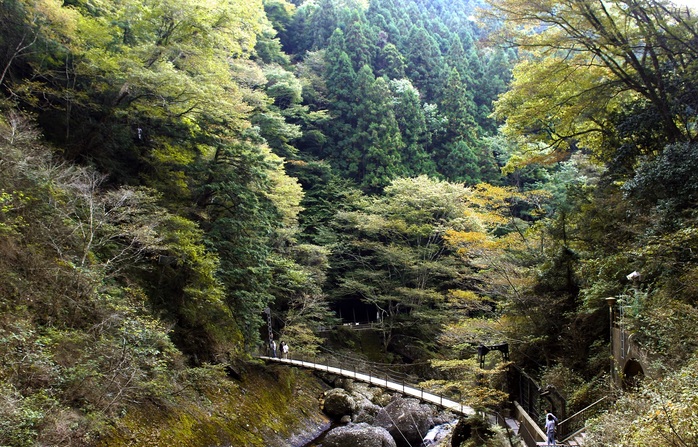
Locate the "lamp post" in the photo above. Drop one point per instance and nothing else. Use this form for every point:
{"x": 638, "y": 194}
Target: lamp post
{"x": 611, "y": 301}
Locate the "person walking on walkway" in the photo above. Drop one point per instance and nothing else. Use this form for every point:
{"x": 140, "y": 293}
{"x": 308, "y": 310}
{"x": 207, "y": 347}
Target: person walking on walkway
{"x": 550, "y": 429}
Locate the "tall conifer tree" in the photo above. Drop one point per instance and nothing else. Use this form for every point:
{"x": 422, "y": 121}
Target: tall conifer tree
{"x": 375, "y": 153}
{"x": 322, "y": 23}
{"x": 412, "y": 122}
{"x": 424, "y": 62}
{"x": 390, "y": 63}
{"x": 358, "y": 44}
{"x": 340, "y": 77}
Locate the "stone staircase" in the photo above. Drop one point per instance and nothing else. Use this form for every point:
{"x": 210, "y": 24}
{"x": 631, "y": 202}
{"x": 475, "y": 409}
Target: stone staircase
{"x": 526, "y": 397}
{"x": 576, "y": 440}
{"x": 573, "y": 429}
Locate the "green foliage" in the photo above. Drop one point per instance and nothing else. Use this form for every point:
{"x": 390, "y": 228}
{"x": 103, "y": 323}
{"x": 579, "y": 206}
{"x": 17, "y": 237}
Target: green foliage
{"x": 264, "y": 408}
{"x": 374, "y": 155}
{"x": 476, "y": 431}
{"x": 416, "y": 134}
{"x": 663, "y": 413}
{"x": 80, "y": 343}
{"x": 189, "y": 293}
{"x": 666, "y": 181}
{"x": 583, "y": 70}
{"x": 424, "y": 65}
{"x": 298, "y": 272}
{"x": 22, "y": 416}
{"x": 358, "y": 46}
{"x": 393, "y": 256}
{"x": 578, "y": 392}
{"x": 80, "y": 292}
{"x": 240, "y": 218}
{"x": 460, "y": 163}
{"x": 405, "y": 45}
{"x": 222, "y": 180}
{"x": 325, "y": 195}
{"x": 390, "y": 62}
{"x": 482, "y": 389}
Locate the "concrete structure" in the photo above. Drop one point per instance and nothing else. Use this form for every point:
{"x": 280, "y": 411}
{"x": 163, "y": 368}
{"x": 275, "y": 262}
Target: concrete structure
{"x": 629, "y": 362}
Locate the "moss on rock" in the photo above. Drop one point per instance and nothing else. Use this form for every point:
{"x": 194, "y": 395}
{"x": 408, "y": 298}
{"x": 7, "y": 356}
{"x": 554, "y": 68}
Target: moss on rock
{"x": 270, "y": 406}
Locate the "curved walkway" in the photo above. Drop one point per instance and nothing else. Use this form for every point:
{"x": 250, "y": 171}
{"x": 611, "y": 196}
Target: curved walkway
{"x": 381, "y": 381}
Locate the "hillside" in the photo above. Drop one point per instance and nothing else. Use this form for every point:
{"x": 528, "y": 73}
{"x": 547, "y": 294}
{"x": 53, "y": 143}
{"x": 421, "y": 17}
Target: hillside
{"x": 180, "y": 178}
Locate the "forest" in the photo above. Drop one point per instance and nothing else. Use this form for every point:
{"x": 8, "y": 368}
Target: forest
{"x": 457, "y": 173}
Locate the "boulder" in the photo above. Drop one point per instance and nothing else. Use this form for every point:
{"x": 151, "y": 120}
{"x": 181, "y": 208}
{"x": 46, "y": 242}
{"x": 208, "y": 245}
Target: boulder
{"x": 407, "y": 420}
{"x": 344, "y": 383}
{"x": 366, "y": 412}
{"x": 383, "y": 399}
{"x": 370, "y": 392}
{"x": 358, "y": 435}
{"x": 338, "y": 403}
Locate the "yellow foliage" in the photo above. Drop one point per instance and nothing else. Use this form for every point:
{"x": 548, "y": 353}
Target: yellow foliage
{"x": 286, "y": 193}
{"x": 167, "y": 154}
{"x": 464, "y": 296}
{"x": 465, "y": 237}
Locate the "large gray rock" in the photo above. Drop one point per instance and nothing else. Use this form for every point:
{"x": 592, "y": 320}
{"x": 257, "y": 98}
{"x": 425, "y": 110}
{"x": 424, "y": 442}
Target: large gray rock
{"x": 366, "y": 412}
{"x": 344, "y": 383}
{"x": 407, "y": 420}
{"x": 368, "y": 391}
{"x": 338, "y": 403}
{"x": 358, "y": 435}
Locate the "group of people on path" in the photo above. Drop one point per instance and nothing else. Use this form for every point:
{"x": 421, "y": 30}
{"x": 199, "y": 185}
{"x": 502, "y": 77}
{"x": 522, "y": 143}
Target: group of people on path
{"x": 283, "y": 346}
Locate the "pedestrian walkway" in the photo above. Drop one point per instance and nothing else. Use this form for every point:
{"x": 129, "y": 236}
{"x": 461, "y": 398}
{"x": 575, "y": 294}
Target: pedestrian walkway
{"x": 367, "y": 372}
{"x": 383, "y": 381}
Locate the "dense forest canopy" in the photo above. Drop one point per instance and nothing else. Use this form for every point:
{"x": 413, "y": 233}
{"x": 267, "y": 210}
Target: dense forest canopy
{"x": 461, "y": 172}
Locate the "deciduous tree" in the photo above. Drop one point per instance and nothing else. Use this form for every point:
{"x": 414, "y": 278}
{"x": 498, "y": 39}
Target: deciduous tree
{"x": 592, "y": 58}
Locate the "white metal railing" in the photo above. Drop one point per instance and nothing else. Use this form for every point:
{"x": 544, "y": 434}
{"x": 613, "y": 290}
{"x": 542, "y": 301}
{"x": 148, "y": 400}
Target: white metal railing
{"x": 374, "y": 374}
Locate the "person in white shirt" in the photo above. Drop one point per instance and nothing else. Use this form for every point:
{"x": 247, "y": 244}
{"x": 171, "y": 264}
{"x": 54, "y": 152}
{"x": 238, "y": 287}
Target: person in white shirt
{"x": 550, "y": 429}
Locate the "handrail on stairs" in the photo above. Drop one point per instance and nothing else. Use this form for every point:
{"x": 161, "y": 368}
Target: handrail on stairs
{"x": 575, "y": 423}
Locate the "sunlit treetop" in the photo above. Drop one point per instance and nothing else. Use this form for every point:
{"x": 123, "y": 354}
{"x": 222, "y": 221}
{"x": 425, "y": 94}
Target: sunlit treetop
{"x": 586, "y": 61}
